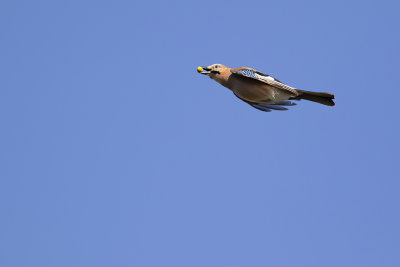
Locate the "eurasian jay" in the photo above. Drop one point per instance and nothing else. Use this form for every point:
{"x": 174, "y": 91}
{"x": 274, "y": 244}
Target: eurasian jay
{"x": 260, "y": 90}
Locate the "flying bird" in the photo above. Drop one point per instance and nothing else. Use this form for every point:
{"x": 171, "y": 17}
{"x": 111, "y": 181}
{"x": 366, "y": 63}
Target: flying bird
{"x": 261, "y": 90}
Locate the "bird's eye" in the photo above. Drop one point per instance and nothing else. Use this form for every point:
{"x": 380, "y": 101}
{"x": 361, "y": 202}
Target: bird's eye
{"x": 216, "y": 66}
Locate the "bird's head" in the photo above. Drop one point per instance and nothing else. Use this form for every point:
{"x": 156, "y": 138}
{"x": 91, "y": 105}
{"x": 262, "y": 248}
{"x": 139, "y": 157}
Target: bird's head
{"x": 214, "y": 71}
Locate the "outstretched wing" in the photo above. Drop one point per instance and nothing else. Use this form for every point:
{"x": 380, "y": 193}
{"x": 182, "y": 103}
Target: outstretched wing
{"x": 268, "y": 107}
{"x": 262, "y": 77}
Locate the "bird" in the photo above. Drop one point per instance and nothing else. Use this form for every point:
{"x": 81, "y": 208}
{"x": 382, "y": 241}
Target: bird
{"x": 261, "y": 90}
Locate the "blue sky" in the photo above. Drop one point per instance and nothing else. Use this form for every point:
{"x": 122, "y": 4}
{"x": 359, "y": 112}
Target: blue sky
{"x": 115, "y": 152}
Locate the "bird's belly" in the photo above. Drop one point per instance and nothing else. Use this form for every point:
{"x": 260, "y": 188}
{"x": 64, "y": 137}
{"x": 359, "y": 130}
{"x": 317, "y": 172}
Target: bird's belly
{"x": 255, "y": 93}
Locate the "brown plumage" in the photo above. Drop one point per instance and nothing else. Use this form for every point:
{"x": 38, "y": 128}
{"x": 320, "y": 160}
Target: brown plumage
{"x": 261, "y": 90}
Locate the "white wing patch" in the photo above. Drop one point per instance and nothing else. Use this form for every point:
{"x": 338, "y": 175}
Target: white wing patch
{"x": 267, "y": 78}
{"x": 274, "y": 82}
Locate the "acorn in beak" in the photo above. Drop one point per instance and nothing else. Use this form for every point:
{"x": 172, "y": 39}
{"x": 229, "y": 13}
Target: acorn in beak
{"x": 203, "y": 70}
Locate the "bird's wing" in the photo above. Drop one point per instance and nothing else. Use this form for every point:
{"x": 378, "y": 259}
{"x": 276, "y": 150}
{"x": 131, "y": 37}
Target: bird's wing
{"x": 264, "y": 78}
{"x": 268, "y": 107}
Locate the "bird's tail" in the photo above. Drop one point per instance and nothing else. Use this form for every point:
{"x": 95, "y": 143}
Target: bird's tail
{"x": 322, "y": 98}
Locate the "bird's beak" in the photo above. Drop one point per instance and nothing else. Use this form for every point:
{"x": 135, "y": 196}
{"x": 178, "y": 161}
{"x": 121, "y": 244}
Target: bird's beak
{"x": 203, "y": 70}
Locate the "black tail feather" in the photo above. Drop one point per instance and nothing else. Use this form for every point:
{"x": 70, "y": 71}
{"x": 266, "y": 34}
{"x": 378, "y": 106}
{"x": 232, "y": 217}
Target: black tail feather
{"x": 322, "y": 98}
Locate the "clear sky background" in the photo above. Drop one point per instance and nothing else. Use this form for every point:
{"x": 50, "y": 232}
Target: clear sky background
{"x": 116, "y": 152}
